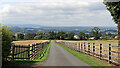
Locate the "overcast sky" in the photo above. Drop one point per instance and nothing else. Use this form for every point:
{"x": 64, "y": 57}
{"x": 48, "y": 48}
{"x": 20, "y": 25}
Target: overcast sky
{"x": 55, "y": 12}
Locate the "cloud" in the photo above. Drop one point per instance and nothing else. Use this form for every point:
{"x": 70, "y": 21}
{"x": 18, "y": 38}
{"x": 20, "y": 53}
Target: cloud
{"x": 56, "y": 13}
{"x": 51, "y": 0}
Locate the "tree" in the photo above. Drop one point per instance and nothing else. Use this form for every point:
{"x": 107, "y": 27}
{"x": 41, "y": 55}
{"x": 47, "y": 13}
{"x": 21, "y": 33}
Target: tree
{"x": 44, "y": 36}
{"x": 52, "y": 35}
{"x": 82, "y": 35}
{"x": 108, "y": 36}
{"x": 20, "y": 36}
{"x": 29, "y": 36}
{"x": 6, "y": 41}
{"x": 14, "y": 38}
{"x": 60, "y": 35}
{"x": 70, "y": 36}
{"x": 41, "y": 35}
{"x": 95, "y": 32}
{"x": 38, "y": 37}
{"x": 87, "y": 36}
{"x": 114, "y": 9}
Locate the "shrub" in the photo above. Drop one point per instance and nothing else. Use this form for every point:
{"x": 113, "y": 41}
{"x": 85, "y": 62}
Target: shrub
{"x": 6, "y": 41}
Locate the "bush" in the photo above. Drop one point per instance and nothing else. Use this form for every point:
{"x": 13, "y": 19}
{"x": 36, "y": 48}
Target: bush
{"x": 6, "y": 42}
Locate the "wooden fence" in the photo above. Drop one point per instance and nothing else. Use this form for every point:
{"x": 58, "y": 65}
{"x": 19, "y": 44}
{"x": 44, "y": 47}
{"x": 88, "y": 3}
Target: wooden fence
{"x": 103, "y": 52}
{"x": 27, "y": 51}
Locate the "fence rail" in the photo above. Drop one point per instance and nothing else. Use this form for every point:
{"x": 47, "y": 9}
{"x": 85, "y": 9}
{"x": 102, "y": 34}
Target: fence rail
{"x": 27, "y": 51}
{"x": 103, "y": 52}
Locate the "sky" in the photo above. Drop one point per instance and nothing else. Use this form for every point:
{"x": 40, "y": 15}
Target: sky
{"x": 55, "y": 12}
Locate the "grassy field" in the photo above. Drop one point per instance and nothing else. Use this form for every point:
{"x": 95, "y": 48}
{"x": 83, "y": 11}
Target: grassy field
{"x": 113, "y": 42}
{"x": 27, "y": 42}
{"x": 87, "y": 59}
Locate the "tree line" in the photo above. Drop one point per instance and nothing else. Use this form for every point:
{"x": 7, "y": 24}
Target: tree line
{"x": 95, "y": 32}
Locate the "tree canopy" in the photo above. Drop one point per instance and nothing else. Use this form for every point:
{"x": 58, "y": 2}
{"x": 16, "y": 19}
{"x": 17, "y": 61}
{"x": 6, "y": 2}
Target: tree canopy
{"x": 20, "y": 36}
{"x": 82, "y": 35}
{"x": 6, "y": 41}
{"x": 95, "y": 32}
{"x": 114, "y": 9}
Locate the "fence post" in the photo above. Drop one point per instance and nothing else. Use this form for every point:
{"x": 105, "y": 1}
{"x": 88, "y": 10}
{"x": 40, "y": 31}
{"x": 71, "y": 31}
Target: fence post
{"x": 109, "y": 60}
{"x": 29, "y": 51}
{"x": 68, "y": 45}
{"x": 71, "y": 45}
{"x": 93, "y": 49}
{"x": 13, "y": 49}
{"x": 100, "y": 51}
{"x": 42, "y": 45}
{"x": 78, "y": 46}
{"x": 34, "y": 48}
{"x": 81, "y": 48}
{"x": 23, "y": 53}
{"x": 74, "y": 46}
{"x": 84, "y": 48}
{"x": 89, "y": 48}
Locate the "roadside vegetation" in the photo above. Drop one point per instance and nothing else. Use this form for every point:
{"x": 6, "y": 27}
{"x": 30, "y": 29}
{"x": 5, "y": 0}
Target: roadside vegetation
{"x": 87, "y": 59}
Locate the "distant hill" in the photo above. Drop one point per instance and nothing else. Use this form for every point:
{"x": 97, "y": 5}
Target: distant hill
{"x": 23, "y": 25}
{"x": 26, "y": 28}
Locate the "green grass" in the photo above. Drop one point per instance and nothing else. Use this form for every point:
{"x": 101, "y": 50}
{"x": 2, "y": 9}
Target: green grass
{"x": 45, "y": 51}
{"x": 85, "y": 58}
{"x": 25, "y": 55}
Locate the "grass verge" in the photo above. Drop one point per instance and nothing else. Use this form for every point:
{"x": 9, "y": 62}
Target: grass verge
{"x": 85, "y": 58}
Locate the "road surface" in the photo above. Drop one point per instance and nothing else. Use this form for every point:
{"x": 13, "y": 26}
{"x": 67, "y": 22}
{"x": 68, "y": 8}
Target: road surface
{"x": 60, "y": 57}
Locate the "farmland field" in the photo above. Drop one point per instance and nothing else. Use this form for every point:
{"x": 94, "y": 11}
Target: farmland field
{"x": 27, "y": 42}
{"x": 105, "y": 42}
